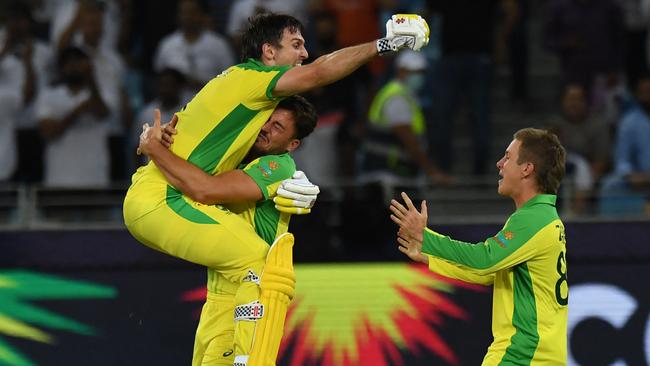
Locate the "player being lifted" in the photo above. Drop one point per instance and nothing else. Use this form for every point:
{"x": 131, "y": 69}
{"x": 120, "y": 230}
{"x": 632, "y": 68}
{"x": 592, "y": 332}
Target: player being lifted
{"x": 215, "y": 131}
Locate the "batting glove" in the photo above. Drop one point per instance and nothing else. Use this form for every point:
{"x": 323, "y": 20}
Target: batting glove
{"x": 296, "y": 195}
{"x": 404, "y": 31}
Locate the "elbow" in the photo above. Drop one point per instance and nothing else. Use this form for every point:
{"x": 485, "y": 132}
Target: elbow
{"x": 198, "y": 195}
{"x": 204, "y": 196}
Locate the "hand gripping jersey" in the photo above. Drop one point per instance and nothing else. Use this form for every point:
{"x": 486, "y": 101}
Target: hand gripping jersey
{"x": 215, "y": 132}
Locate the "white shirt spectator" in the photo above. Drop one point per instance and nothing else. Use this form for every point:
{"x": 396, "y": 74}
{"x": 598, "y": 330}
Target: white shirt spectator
{"x": 66, "y": 12}
{"x": 43, "y": 64}
{"x": 241, "y": 10}
{"x": 10, "y": 100}
{"x": 201, "y": 60}
{"x": 109, "y": 72}
{"x": 79, "y": 157}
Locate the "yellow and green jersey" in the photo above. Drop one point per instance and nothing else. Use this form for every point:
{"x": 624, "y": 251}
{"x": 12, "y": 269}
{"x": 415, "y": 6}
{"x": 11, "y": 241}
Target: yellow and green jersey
{"x": 216, "y": 128}
{"x": 526, "y": 263}
{"x": 267, "y": 172}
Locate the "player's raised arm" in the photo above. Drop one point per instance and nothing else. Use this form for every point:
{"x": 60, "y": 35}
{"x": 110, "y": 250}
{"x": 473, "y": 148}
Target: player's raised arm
{"x": 402, "y": 31}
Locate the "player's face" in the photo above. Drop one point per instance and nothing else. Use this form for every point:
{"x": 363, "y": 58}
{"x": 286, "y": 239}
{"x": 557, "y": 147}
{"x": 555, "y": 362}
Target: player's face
{"x": 277, "y": 134}
{"x": 293, "y": 50}
{"x": 510, "y": 172}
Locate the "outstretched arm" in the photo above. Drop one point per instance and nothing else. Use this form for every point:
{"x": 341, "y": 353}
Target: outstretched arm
{"x": 515, "y": 243}
{"x": 324, "y": 70}
{"x": 402, "y": 31}
{"x": 410, "y": 237}
{"x": 227, "y": 187}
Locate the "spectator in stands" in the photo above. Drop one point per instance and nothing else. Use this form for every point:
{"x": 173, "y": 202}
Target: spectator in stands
{"x": 73, "y": 118}
{"x": 65, "y": 27}
{"x": 109, "y": 71}
{"x": 169, "y": 100}
{"x": 586, "y": 139}
{"x": 36, "y": 64}
{"x": 588, "y": 37}
{"x": 394, "y": 142}
{"x": 464, "y": 70}
{"x": 627, "y": 189}
{"x": 200, "y": 54}
{"x": 10, "y": 99}
{"x": 636, "y": 24}
{"x": 517, "y": 44}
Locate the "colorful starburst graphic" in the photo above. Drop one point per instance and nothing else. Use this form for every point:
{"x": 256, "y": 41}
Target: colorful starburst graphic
{"x": 366, "y": 314}
{"x": 19, "y": 318}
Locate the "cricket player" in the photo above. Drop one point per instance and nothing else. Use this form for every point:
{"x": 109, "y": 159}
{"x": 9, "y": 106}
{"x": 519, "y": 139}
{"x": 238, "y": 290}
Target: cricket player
{"x": 525, "y": 261}
{"x": 215, "y": 132}
{"x": 265, "y": 167}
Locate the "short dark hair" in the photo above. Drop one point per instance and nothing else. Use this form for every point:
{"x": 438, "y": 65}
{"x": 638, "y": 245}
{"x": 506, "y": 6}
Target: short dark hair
{"x": 303, "y": 112}
{"x": 266, "y": 28}
{"x": 544, "y": 150}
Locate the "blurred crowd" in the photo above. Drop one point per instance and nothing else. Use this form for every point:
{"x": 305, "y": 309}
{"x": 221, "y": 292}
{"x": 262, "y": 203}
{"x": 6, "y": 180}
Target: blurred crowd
{"x": 78, "y": 78}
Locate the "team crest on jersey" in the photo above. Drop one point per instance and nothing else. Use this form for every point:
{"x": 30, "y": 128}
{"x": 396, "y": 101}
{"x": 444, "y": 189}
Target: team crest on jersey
{"x": 273, "y": 165}
{"x": 501, "y": 239}
{"x": 266, "y": 172}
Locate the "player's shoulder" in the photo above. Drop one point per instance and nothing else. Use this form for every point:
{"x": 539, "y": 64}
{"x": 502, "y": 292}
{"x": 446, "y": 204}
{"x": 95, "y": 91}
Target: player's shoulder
{"x": 254, "y": 65}
{"x": 274, "y": 167}
{"x": 536, "y": 214}
{"x": 276, "y": 161}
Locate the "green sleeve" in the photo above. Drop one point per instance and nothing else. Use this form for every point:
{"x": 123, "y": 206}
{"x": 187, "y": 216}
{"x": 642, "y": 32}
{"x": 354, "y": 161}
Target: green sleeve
{"x": 268, "y": 171}
{"x": 505, "y": 249}
{"x": 269, "y": 89}
{"x": 452, "y": 270}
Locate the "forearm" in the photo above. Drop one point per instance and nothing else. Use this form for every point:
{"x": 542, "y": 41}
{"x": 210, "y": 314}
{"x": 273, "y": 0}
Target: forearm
{"x": 99, "y": 107}
{"x": 66, "y": 37}
{"x": 173, "y": 181}
{"x": 52, "y": 128}
{"x": 325, "y": 70}
{"x": 472, "y": 255}
{"x": 339, "y": 64}
{"x": 447, "y": 269}
{"x": 184, "y": 176}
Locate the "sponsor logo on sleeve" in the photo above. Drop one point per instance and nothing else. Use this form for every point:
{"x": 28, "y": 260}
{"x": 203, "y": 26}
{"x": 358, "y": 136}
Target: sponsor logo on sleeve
{"x": 502, "y": 238}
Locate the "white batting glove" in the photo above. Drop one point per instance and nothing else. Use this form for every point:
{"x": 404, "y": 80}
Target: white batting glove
{"x": 404, "y": 31}
{"x": 296, "y": 195}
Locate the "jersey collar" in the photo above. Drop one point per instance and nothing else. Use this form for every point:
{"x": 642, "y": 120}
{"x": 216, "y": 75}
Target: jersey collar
{"x": 548, "y": 199}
